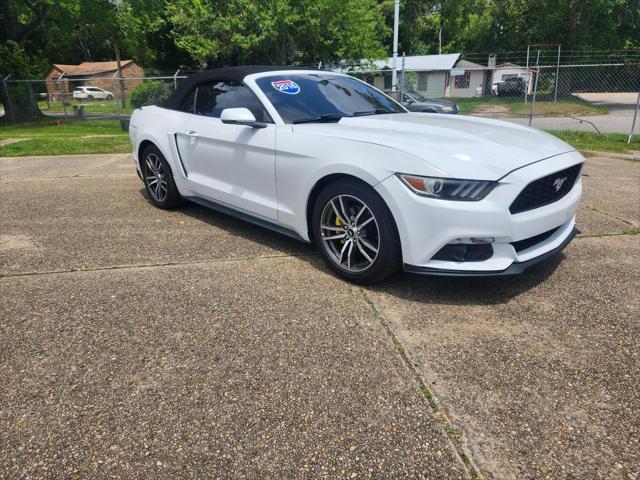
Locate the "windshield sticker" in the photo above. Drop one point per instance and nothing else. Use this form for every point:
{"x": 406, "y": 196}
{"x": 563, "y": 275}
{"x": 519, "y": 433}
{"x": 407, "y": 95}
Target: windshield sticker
{"x": 286, "y": 86}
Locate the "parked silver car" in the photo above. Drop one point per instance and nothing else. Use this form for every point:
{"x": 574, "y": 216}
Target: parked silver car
{"x": 416, "y": 102}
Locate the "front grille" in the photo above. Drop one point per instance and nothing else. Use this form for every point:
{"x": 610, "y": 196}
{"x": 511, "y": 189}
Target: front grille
{"x": 546, "y": 190}
{"x": 521, "y": 245}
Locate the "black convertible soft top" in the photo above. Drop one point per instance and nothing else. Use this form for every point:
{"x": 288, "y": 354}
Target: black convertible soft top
{"x": 230, "y": 74}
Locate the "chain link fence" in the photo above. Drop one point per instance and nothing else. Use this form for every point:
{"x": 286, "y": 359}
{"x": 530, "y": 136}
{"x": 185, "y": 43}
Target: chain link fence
{"x": 591, "y": 98}
{"x": 92, "y": 97}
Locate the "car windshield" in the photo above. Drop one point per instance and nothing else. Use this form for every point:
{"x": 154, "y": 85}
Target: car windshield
{"x": 322, "y": 97}
{"x": 415, "y": 96}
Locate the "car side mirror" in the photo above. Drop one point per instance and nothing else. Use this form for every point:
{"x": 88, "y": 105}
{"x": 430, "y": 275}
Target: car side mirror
{"x": 240, "y": 116}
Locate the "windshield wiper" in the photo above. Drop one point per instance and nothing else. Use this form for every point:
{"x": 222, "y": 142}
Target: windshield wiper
{"x": 377, "y": 111}
{"x": 325, "y": 117}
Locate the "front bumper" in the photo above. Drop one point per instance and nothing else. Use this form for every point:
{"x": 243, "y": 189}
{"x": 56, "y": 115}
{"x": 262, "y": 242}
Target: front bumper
{"x": 426, "y": 225}
{"x": 515, "y": 268}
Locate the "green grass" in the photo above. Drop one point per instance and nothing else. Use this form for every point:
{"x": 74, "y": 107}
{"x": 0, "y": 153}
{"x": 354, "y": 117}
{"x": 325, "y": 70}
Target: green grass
{"x": 44, "y": 137}
{"x": 545, "y": 106}
{"x": 606, "y": 142}
{"x": 95, "y": 106}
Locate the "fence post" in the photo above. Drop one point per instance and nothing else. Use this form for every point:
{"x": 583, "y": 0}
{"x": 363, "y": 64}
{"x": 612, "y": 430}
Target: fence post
{"x": 175, "y": 79}
{"x": 535, "y": 90}
{"x": 404, "y": 58}
{"x": 526, "y": 90}
{"x": 635, "y": 118}
{"x": 555, "y": 90}
{"x": 6, "y": 92}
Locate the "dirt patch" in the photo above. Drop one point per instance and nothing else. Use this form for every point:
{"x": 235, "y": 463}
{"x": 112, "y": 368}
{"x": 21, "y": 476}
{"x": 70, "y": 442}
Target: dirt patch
{"x": 491, "y": 111}
{"x": 9, "y": 141}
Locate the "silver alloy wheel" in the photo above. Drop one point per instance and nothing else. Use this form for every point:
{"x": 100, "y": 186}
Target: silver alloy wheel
{"x": 156, "y": 177}
{"x": 350, "y": 233}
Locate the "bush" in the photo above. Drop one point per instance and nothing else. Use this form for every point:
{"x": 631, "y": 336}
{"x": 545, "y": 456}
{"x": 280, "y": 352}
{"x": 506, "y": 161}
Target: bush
{"x": 150, "y": 93}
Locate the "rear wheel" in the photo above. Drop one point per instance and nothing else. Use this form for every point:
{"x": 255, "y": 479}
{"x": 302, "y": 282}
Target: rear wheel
{"x": 158, "y": 179}
{"x": 356, "y": 233}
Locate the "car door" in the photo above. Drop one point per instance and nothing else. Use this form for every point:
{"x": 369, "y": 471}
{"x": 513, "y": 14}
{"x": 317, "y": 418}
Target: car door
{"x": 231, "y": 164}
{"x": 94, "y": 92}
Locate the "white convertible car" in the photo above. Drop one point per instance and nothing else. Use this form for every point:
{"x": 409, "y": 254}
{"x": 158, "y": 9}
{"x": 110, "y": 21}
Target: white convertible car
{"x": 326, "y": 158}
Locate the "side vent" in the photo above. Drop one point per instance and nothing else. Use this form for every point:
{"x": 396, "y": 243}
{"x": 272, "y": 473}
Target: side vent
{"x": 184, "y": 169}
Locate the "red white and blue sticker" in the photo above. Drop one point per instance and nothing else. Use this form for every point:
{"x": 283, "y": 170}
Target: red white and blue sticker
{"x": 286, "y": 86}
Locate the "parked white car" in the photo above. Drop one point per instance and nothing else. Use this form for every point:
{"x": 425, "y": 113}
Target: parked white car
{"x": 324, "y": 157}
{"x": 91, "y": 93}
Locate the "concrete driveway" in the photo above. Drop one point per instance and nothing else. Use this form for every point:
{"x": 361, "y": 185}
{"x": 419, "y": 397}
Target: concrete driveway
{"x": 139, "y": 343}
{"x": 618, "y": 120}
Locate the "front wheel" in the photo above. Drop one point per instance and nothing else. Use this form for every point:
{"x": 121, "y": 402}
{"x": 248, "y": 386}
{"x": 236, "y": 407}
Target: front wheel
{"x": 158, "y": 179}
{"x": 356, "y": 232}
{"x": 109, "y": 97}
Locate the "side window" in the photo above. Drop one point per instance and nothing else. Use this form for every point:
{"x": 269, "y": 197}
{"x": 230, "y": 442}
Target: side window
{"x": 214, "y": 97}
{"x": 188, "y": 103}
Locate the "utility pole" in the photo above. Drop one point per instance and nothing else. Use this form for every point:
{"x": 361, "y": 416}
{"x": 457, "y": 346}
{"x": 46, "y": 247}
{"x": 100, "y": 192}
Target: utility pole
{"x": 394, "y": 72}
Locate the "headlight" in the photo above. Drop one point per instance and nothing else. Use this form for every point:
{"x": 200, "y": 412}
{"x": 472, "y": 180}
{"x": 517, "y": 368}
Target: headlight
{"x": 448, "y": 188}
{"x": 446, "y": 108}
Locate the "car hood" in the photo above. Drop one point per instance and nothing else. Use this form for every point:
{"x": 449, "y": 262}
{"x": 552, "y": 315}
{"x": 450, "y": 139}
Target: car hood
{"x": 434, "y": 101}
{"x": 459, "y": 146}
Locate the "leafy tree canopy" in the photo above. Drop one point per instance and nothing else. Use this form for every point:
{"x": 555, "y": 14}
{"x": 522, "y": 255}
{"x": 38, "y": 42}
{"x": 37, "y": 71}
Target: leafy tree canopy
{"x": 167, "y": 34}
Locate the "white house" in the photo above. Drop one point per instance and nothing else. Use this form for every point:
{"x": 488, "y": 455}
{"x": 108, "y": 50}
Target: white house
{"x": 438, "y": 76}
{"x": 426, "y": 74}
{"x": 468, "y": 79}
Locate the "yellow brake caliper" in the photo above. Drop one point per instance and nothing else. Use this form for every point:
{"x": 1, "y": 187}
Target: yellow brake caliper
{"x": 339, "y": 223}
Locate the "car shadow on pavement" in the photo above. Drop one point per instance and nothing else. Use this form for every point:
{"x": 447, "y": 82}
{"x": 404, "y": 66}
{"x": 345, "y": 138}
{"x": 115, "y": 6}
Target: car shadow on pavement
{"x": 419, "y": 288}
{"x": 467, "y": 291}
{"x": 249, "y": 231}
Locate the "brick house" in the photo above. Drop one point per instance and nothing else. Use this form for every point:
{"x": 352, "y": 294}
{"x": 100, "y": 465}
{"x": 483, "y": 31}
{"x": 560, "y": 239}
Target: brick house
{"x": 96, "y": 74}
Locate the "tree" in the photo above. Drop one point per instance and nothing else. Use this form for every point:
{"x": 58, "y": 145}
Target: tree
{"x": 228, "y": 32}
{"x": 20, "y": 21}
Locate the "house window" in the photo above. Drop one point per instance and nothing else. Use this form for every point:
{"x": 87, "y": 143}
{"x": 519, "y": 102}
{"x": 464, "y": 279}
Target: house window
{"x": 423, "y": 81}
{"x": 463, "y": 81}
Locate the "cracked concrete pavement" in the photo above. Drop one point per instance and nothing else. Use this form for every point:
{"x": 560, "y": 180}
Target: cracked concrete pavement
{"x": 140, "y": 343}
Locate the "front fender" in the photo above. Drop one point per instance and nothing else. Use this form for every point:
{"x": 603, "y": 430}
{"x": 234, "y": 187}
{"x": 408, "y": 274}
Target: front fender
{"x": 303, "y": 160}
{"x": 147, "y": 125}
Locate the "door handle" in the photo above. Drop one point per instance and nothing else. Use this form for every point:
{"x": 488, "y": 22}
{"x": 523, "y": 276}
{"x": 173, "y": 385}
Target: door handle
{"x": 192, "y": 133}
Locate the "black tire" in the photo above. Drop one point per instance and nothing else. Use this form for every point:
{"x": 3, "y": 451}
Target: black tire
{"x": 388, "y": 259}
{"x": 171, "y": 198}
{"x": 90, "y": 98}
{"x": 109, "y": 98}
